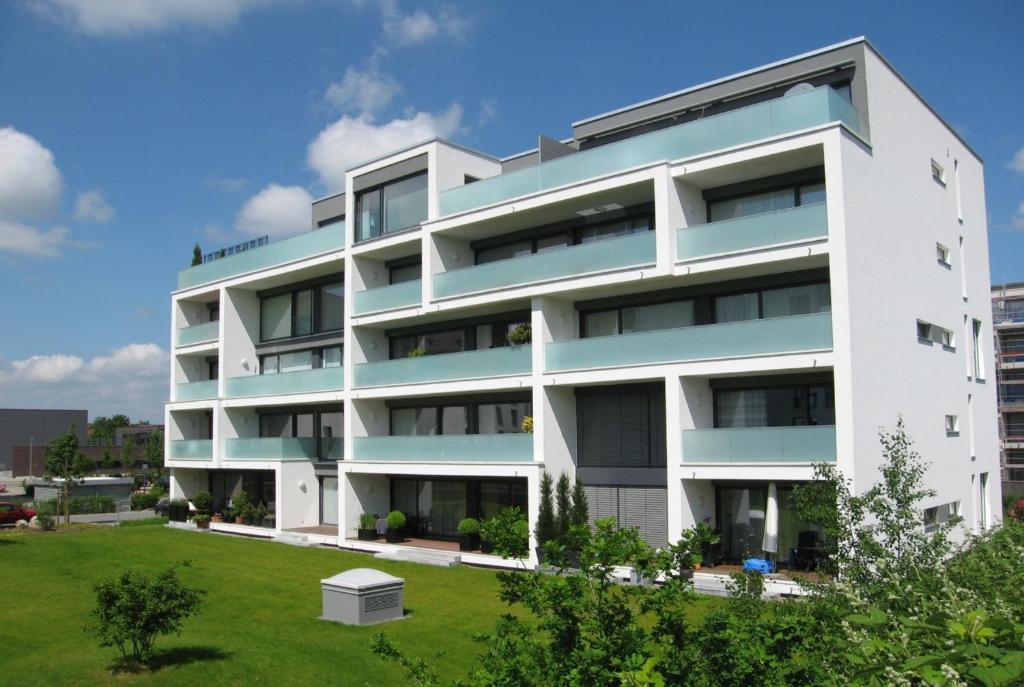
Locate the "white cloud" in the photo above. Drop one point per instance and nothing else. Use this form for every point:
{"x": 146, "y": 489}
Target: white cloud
{"x": 92, "y": 206}
{"x": 488, "y": 110}
{"x": 1017, "y": 163}
{"x": 25, "y": 240}
{"x": 216, "y": 233}
{"x": 126, "y": 17}
{"x": 30, "y": 183}
{"x": 1018, "y": 219}
{"x": 365, "y": 91}
{"x": 131, "y": 379}
{"x": 277, "y": 211}
{"x": 422, "y": 26}
{"x": 352, "y": 140}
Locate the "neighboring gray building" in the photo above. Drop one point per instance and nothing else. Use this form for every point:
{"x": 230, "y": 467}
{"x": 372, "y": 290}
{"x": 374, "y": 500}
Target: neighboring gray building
{"x": 20, "y": 427}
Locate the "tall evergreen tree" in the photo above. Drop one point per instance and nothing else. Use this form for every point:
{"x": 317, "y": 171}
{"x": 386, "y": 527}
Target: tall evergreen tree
{"x": 546, "y": 529}
{"x": 197, "y": 255}
{"x": 563, "y": 504}
{"x": 580, "y": 506}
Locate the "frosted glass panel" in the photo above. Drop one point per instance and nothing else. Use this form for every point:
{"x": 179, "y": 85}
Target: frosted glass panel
{"x": 797, "y": 300}
{"x": 648, "y": 318}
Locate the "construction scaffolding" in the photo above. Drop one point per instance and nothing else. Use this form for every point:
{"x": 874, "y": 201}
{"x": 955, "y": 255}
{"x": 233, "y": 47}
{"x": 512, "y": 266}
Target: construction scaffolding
{"x": 1008, "y": 340}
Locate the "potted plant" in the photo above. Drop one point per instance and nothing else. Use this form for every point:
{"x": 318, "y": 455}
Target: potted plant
{"x": 396, "y": 527}
{"x": 241, "y": 506}
{"x": 367, "y": 527}
{"x": 469, "y": 534}
{"x": 417, "y": 353}
{"x": 202, "y": 521}
{"x": 217, "y": 517}
{"x": 259, "y": 514}
{"x": 487, "y": 535}
{"x": 203, "y": 501}
{"x": 520, "y": 334}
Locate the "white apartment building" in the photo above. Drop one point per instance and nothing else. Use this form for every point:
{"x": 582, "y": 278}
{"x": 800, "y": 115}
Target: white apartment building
{"x": 723, "y": 285}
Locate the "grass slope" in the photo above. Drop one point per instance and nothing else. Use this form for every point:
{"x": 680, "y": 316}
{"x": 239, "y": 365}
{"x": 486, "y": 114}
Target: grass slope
{"x": 259, "y": 626}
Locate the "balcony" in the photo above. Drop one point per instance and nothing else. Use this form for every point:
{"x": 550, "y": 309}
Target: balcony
{"x": 760, "y": 445}
{"x": 191, "y": 449}
{"x": 575, "y": 261}
{"x": 403, "y": 295}
{"x": 755, "y": 231}
{"x": 301, "y": 382}
{"x": 729, "y": 340}
{"x": 271, "y": 448}
{"x": 744, "y": 125}
{"x": 305, "y": 245}
{"x": 198, "y": 333}
{"x": 459, "y": 448}
{"x": 196, "y": 391}
{"x": 493, "y": 362}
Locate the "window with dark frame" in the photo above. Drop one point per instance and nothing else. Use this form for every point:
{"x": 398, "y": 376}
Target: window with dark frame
{"x": 775, "y": 405}
{"x": 302, "y": 310}
{"x": 297, "y": 361}
{"x": 769, "y": 199}
{"x": 471, "y": 336}
{"x": 477, "y": 416}
{"x": 621, "y": 426}
{"x": 391, "y": 207}
{"x": 322, "y": 424}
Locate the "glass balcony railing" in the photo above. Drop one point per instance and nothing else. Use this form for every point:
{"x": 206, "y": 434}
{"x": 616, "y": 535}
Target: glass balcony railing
{"x": 196, "y": 391}
{"x": 305, "y": 245}
{"x": 334, "y": 447}
{"x": 754, "y": 231}
{"x": 191, "y": 449}
{"x": 483, "y": 448}
{"x": 403, "y": 295}
{"x": 493, "y": 362}
{"x": 198, "y": 333}
{"x": 760, "y": 445}
{"x": 743, "y": 125}
{"x": 729, "y": 340}
{"x": 270, "y": 448}
{"x": 301, "y": 382}
{"x": 575, "y": 261}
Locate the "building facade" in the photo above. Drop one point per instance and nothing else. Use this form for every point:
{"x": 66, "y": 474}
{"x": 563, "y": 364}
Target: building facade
{"x": 694, "y": 298}
{"x": 34, "y": 428}
{"x": 1008, "y": 334}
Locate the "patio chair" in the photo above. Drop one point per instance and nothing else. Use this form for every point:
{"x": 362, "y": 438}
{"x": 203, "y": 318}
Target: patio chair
{"x": 809, "y": 551}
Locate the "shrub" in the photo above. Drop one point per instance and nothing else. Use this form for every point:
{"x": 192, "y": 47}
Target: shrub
{"x": 203, "y": 501}
{"x": 202, "y": 518}
{"x": 367, "y": 521}
{"x": 396, "y": 520}
{"x": 509, "y": 532}
{"x": 417, "y": 353}
{"x": 134, "y": 609}
{"x": 143, "y": 522}
{"x": 469, "y": 526}
{"x": 521, "y": 334}
{"x": 241, "y": 505}
{"x": 81, "y": 505}
{"x": 29, "y": 487}
{"x": 143, "y": 501}
{"x": 563, "y": 508}
{"x": 46, "y": 522}
{"x": 259, "y": 514}
{"x": 158, "y": 491}
{"x": 46, "y": 507}
{"x": 546, "y": 528}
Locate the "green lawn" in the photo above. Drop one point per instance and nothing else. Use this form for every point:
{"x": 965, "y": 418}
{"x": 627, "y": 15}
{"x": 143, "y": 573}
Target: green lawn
{"x": 259, "y": 626}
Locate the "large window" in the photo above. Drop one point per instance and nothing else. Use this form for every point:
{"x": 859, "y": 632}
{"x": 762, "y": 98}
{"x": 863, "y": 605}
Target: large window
{"x": 499, "y": 416}
{"x": 313, "y": 309}
{"x": 638, "y": 318}
{"x": 562, "y": 235}
{"x": 787, "y": 301}
{"x": 622, "y": 426}
{"x": 775, "y": 406}
{"x": 297, "y": 361}
{"x": 455, "y": 339}
{"x": 434, "y": 507}
{"x": 391, "y": 207}
{"x": 760, "y": 202}
{"x": 322, "y": 424}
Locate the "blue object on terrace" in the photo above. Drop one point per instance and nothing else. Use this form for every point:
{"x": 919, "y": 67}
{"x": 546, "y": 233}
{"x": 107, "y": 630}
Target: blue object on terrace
{"x": 759, "y": 565}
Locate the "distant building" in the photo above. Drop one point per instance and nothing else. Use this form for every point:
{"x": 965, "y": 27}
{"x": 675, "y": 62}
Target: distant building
{"x": 36, "y": 428}
{"x": 139, "y": 433}
{"x": 1008, "y": 323}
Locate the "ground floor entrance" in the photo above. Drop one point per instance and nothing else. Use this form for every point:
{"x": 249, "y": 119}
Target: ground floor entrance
{"x": 434, "y": 506}
{"x": 258, "y": 485}
{"x": 329, "y": 501}
{"x": 757, "y": 520}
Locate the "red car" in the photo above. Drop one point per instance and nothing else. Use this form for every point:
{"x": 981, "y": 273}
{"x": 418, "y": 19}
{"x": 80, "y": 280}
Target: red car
{"x": 10, "y": 513}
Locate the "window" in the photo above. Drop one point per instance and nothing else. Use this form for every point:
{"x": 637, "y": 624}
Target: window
{"x": 942, "y": 254}
{"x": 956, "y": 185}
{"x": 621, "y": 426}
{"x": 469, "y": 337}
{"x": 391, "y": 207}
{"x": 789, "y": 196}
{"x": 936, "y": 516}
{"x": 979, "y": 361}
{"x": 473, "y": 417}
{"x": 321, "y": 425}
{"x": 952, "y": 424}
{"x": 638, "y": 318}
{"x": 302, "y": 311}
{"x": 775, "y": 406}
{"x": 296, "y": 361}
{"x": 403, "y": 273}
{"x": 337, "y": 219}
{"x": 563, "y": 235}
{"x": 938, "y": 173}
{"x": 931, "y": 333}
{"x": 983, "y": 501}
{"x": 331, "y": 357}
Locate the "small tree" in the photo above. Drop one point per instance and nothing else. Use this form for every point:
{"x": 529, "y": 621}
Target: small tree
{"x": 107, "y": 460}
{"x": 134, "y": 609}
{"x": 546, "y": 529}
{"x": 197, "y": 255}
{"x": 563, "y": 505}
{"x": 153, "y": 451}
{"x": 129, "y": 451}
{"x": 65, "y": 460}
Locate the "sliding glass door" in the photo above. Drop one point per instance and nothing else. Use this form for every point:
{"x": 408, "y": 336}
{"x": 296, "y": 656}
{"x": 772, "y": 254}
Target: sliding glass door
{"x": 329, "y": 501}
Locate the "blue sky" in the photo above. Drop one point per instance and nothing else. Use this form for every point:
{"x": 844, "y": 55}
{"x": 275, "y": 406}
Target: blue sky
{"x": 130, "y": 130}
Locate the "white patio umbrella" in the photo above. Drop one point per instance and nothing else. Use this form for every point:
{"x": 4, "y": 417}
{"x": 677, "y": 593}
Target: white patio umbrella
{"x": 770, "y": 543}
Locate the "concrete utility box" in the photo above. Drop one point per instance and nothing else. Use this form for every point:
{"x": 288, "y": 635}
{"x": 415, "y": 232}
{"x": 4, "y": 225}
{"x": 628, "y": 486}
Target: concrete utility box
{"x": 363, "y": 596}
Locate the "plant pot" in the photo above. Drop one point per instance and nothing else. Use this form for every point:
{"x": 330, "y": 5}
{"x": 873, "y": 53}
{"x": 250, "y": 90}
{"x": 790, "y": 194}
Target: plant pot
{"x": 217, "y": 518}
{"x": 368, "y": 535}
{"x": 239, "y": 520}
{"x": 486, "y": 546}
{"x": 469, "y": 542}
{"x": 395, "y": 536}
{"x": 203, "y": 524}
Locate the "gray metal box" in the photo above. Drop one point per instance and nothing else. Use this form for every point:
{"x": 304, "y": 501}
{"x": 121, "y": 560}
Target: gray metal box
{"x": 363, "y": 596}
